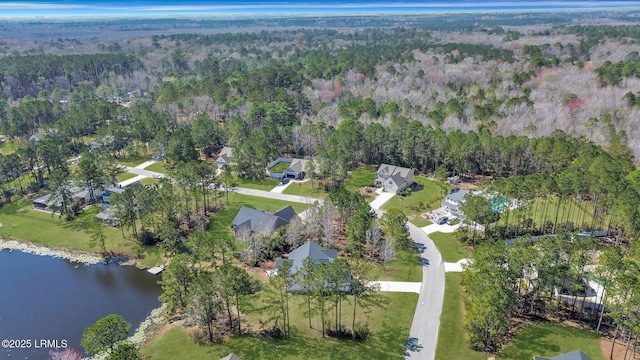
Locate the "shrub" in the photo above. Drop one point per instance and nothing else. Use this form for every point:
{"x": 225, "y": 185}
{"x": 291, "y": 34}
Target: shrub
{"x": 361, "y": 332}
{"x": 340, "y": 333}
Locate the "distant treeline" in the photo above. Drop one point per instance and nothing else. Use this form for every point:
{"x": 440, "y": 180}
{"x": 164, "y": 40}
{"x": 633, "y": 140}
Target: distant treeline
{"x": 28, "y": 75}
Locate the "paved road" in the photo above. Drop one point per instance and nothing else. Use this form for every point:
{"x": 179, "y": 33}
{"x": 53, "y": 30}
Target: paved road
{"x": 277, "y": 196}
{"x": 426, "y": 320}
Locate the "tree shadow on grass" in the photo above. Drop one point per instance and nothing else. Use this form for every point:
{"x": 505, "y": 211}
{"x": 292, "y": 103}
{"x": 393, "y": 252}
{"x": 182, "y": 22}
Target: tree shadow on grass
{"x": 543, "y": 339}
{"x": 385, "y": 344}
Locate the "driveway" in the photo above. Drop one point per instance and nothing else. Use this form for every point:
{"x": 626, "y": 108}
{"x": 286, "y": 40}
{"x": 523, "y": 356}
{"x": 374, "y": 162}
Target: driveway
{"x": 143, "y": 172}
{"x": 444, "y": 228}
{"x": 380, "y": 200}
{"x": 277, "y": 196}
{"x": 398, "y": 286}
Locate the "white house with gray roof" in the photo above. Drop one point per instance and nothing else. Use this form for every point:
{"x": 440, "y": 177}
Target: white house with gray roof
{"x": 311, "y": 250}
{"x": 224, "y": 158}
{"x": 394, "y": 178}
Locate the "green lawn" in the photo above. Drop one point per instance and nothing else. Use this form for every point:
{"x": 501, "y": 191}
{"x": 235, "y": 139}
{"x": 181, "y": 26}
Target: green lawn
{"x": 148, "y": 181}
{"x": 389, "y": 326}
{"x": 424, "y": 197}
{"x": 405, "y": 267}
{"x": 159, "y": 166}
{"x": 25, "y": 180}
{"x": 537, "y": 339}
{"x": 280, "y": 167}
{"x": 21, "y": 222}
{"x": 360, "y": 177}
{"x": 132, "y": 161}
{"x": 451, "y": 249}
{"x": 126, "y": 176}
{"x": 451, "y": 338}
{"x": 305, "y": 189}
{"x": 579, "y": 212}
{"x": 267, "y": 184}
{"x": 550, "y": 339}
{"x": 8, "y": 147}
{"x": 418, "y": 220}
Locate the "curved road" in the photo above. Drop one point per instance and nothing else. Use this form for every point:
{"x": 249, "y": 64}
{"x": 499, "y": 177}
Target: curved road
{"x": 426, "y": 320}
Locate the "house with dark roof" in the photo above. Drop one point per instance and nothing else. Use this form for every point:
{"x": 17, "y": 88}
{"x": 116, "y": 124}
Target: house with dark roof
{"x": 394, "y": 178}
{"x": 312, "y": 250}
{"x": 296, "y": 170}
{"x": 255, "y": 221}
{"x": 231, "y": 356}
{"x": 224, "y": 158}
{"x": 574, "y": 355}
{"x": 317, "y": 254}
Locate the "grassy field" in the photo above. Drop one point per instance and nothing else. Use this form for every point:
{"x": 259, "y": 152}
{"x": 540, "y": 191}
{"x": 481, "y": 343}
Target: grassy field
{"x": 424, "y": 197}
{"x": 360, "y": 177}
{"x": 537, "y": 339}
{"x": 266, "y": 185}
{"x": 159, "y": 166}
{"x": 280, "y": 167}
{"x": 126, "y": 176}
{"x": 21, "y": 222}
{"x": 148, "y": 181}
{"x": 405, "y": 267}
{"x": 389, "y": 326}
{"x": 8, "y": 147}
{"x": 550, "y": 339}
{"x": 451, "y": 338}
{"x": 132, "y": 161}
{"x": 451, "y": 249}
{"x": 305, "y": 189}
{"x": 580, "y": 212}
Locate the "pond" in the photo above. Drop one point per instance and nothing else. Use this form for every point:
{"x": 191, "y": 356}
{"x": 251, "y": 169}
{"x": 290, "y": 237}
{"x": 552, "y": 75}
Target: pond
{"x": 52, "y": 299}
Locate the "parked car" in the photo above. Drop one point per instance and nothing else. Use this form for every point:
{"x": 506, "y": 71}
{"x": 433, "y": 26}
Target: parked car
{"x": 441, "y": 220}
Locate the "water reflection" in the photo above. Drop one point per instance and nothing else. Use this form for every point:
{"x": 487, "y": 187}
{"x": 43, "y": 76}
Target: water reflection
{"x": 47, "y": 298}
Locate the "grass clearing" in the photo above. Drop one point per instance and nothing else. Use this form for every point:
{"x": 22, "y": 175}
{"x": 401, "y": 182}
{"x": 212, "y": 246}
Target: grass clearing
{"x": 451, "y": 337}
{"x": 424, "y": 197}
{"x": 149, "y": 181}
{"x": 578, "y": 212}
{"x": 126, "y": 176}
{"x": 9, "y": 147}
{"x": 132, "y": 161}
{"x": 305, "y": 189}
{"x": 451, "y": 249}
{"x": 405, "y": 267}
{"x": 389, "y": 326}
{"x": 21, "y": 222}
{"x": 266, "y": 185}
{"x": 159, "y": 166}
{"x": 360, "y": 177}
{"x": 549, "y": 339}
{"x": 280, "y": 167}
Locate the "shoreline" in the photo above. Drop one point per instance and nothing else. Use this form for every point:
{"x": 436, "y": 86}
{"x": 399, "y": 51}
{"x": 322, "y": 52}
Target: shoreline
{"x": 41, "y": 250}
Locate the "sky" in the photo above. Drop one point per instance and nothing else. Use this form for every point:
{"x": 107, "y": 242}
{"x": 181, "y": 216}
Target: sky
{"x": 50, "y": 8}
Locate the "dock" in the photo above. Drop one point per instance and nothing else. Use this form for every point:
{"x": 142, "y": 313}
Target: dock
{"x": 156, "y": 269}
